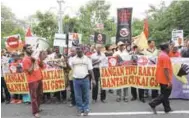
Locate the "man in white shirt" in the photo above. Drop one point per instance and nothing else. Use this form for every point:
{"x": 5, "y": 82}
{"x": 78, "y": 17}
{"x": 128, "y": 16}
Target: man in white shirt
{"x": 4, "y": 69}
{"x": 98, "y": 59}
{"x": 153, "y": 52}
{"x": 82, "y": 67}
{"x": 122, "y": 55}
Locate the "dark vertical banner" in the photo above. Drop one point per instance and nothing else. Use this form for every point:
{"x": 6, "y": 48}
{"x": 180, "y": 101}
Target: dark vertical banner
{"x": 124, "y": 16}
{"x": 99, "y": 38}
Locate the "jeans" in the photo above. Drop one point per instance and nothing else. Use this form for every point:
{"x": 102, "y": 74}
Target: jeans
{"x": 162, "y": 98}
{"x": 81, "y": 89}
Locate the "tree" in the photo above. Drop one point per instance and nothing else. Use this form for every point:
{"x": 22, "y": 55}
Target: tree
{"x": 137, "y": 27}
{"x": 162, "y": 20}
{"x": 10, "y": 25}
{"x": 46, "y": 25}
{"x": 94, "y": 12}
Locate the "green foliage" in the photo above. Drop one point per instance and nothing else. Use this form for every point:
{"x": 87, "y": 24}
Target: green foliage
{"x": 137, "y": 27}
{"x": 46, "y": 25}
{"x": 94, "y": 12}
{"x": 162, "y": 20}
{"x": 9, "y": 24}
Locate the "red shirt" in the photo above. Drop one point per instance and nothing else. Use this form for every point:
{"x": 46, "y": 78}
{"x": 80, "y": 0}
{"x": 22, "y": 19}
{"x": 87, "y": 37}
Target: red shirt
{"x": 171, "y": 54}
{"x": 164, "y": 61}
{"x": 36, "y": 75}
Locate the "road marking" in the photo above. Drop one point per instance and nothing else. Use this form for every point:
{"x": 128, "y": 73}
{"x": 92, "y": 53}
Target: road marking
{"x": 135, "y": 113}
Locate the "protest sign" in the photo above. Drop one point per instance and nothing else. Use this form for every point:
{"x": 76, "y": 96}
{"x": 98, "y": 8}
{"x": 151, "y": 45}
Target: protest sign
{"x": 13, "y": 43}
{"x": 124, "y": 16}
{"x": 127, "y": 76}
{"x": 99, "y": 38}
{"x": 143, "y": 75}
{"x": 177, "y": 37}
{"x": 75, "y": 39}
{"x": 53, "y": 80}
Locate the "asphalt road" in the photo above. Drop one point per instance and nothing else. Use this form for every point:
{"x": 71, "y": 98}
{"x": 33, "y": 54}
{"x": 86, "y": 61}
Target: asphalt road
{"x": 111, "y": 109}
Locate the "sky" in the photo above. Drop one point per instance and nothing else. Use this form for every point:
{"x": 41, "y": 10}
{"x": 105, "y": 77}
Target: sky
{"x": 24, "y": 8}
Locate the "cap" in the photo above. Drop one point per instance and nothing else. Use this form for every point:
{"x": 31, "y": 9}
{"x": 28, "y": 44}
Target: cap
{"x": 120, "y": 43}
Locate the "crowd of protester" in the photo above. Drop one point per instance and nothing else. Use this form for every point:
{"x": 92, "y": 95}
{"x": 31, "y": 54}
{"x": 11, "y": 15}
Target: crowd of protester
{"x": 94, "y": 57}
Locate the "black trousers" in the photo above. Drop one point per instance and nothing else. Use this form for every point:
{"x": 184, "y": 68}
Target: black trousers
{"x": 134, "y": 93}
{"x": 95, "y": 88}
{"x": 154, "y": 94}
{"x": 162, "y": 98}
{"x": 60, "y": 94}
{"x": 46, "y": 96}
{"x": 7, "y": 94}
{"x": 72, "y": 92}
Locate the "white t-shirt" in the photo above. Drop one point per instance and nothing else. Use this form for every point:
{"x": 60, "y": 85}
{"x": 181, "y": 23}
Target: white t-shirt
{"x": 101, "y": 57}
{"x": 124, "y": 54}
{"x": 5, "y": 65}
{"x": 149, "y": 52}
{"x": 80, "y": 66}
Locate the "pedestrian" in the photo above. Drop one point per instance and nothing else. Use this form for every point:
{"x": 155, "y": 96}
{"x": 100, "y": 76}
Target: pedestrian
{"x": 185, "y": 51}
{"x": 82, "y": 67}
{"x": 122, "y": 55}
{"x": 4, "y": 70}
{"x": 164, "y": 74}
{"x": 134, "y": 59}
{"x": 32, "y": 68}
{"x": 174, "y": 52}
{"x": 98, "y": 59}
{"x": 153, "y": 52}
{"x": 109, "y": 53}
{"x": 72, "y": 96}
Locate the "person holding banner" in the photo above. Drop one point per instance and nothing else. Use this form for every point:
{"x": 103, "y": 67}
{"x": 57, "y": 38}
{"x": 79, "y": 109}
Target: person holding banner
{"x": 122, "y": 55}
{"x": 164, "y": 75}
{"x": 134, "y": 60}
{"x": 82, "y": 67}
{"x": 97, "y": 59}
{"x": 32, "y": 68}
{"x": 174, "y": 52}
{"x": 4, "y": 69}
{"x": 151, "y": 51}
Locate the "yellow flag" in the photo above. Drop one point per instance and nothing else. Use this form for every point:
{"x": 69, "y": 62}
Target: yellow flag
{"x": 141, "y": 41}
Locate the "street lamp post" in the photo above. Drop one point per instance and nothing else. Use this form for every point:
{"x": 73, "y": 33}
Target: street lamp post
{"x": 60, "y": 12}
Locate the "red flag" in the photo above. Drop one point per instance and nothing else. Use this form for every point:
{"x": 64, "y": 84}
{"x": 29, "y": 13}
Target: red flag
{"x": 145, "y": 30}
{"x": 28, "y": 33}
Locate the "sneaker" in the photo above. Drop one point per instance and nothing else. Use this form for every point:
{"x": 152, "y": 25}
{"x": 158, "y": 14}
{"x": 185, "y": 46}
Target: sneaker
{"x": 7, "y": 102}
{"x": 133, "y": 99}
{"x": 94, "y": 101}
{"x": 37, "y": 115}
{"x": 79, "y": 113}
{"x": 169, "y": 110}
{"x": 86, "y": 113}
{"x": 142, "y": 100}
{"x": 118, "y": 99}
{"x": 13, "y": 101}
{"x": 153, "y": 109}
{"x": 125, "y": 99}
{"x": 71, "y": 105}
{"x": 103, "y": 101}
{"x": 18, "y": 101}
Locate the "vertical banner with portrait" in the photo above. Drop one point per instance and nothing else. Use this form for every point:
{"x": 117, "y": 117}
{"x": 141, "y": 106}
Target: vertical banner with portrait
{"x": 177, "y": 37}
{"x": 99, "y": 38}
{"x": 124, "y": 16}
